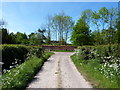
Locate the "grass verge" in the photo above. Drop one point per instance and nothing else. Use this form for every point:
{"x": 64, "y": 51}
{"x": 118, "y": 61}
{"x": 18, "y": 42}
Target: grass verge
{"x": 89, "y": 69}
{"x": 19, "y": 77}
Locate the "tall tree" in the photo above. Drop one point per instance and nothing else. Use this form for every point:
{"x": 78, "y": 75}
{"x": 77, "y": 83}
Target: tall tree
{"x": 95, "y": 20}
{"x": 35, "y": 39}
{"x": 41, "y": 34}
{"x": 58, "y": 22}
{"x": 32, "y": 39}
{"x": 96, "y": 33}
{"x": 112, "y": 16}
{"x": 63, "y": 25}
{"x": 118, "y": 31}
{"x": 86, "y": 16}
{"x": 103, "y": 12}
{"x": 81, "y": 33}
{"x": 12, "y": 35}
{"x": 110, "y": 31}
{"x": 5, "y": 36}
{"x": 21, "y": 38}
{"x": 68, "y": 27}
{"x": 2, "y": 27}
{"x": 49, "y": 29}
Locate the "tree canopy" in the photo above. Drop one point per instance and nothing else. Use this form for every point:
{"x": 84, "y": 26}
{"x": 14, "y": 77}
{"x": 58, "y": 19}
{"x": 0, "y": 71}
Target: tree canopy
{"x": 93, "y": 27}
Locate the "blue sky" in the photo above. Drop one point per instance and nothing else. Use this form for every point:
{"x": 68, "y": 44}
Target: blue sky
{"x": 60, "y": 0}
{"x": 29, "y": 16}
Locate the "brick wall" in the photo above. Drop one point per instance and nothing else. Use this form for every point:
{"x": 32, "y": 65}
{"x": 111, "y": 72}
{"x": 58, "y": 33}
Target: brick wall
{"x": 59, "y": 47}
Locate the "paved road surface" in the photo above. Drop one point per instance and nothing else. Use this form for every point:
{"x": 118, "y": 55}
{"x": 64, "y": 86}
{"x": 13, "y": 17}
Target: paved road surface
{"x": 59, "y": 72}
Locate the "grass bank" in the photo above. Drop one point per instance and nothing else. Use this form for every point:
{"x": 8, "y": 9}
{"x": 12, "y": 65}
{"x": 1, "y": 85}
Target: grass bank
{"x": 19, "y": 77}
{"x": 91, "y": 72}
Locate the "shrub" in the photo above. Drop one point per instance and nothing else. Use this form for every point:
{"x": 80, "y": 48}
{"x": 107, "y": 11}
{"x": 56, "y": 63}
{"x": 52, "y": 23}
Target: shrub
{"x": 108, "y": 62}
{"x": 19, "y": 77}
{"x": 13, "y": 55}
{"x": 102, "y": 52}
{"x": 99, "y": 75}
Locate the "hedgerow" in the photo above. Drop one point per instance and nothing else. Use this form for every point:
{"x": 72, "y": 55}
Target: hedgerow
{"x": 19, "y": 77}
{"x": 13, "y": 55}
{"x": 101, "y": 63}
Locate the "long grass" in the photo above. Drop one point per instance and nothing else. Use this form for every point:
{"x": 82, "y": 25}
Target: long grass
{"x": 19, "y": 77}
{"x": 90, "y": 70}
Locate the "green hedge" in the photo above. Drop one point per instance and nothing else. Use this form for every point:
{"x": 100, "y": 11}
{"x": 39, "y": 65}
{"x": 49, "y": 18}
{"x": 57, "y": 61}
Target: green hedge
{"x": 98, "y": 75}
{"x": 102, "y": 52}
{"x": 19, "y": 77}
{"x": 13, "y": 55}
{"x": 101, "y": 63}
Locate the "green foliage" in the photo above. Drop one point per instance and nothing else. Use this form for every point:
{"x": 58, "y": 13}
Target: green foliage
{"x": 95, "y": 17}
{"x": 101, "y": 51}
{"x": 99, "y": 64}
{"x": 105, "y": 37}
{"x": 21, "y": 38}
{"x": 108, "y": 36}
{"x": 32, "y": 39}
{"x": 13, "y": 55}
{"x": 87, "y": 16}
{"x": 118, "y": 32}
{"x": 19, "y": 77}
{"x": 103, "y": 12}
{"x": 48, "y": 41}
{"x": 37, "y": 38}
{"x": 104, "y": 22}
{"x": 81, "y": 33}
{"x": 97, "y": 73}
{"x": 97, "y": 37}
{"x": 62, "y": 25}
{"x": 6, "y": 37}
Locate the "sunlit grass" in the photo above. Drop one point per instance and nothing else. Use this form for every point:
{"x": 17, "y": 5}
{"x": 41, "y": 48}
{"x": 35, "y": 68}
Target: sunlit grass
{"x": 20, "y": 76}
{"x": 93, "y": 72}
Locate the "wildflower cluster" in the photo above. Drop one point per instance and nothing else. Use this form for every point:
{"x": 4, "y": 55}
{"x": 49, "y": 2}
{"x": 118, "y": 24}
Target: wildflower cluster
{"x": 109, "y": 59}
{"x": 20, "y": 76}
{"x": 86, "y": 53}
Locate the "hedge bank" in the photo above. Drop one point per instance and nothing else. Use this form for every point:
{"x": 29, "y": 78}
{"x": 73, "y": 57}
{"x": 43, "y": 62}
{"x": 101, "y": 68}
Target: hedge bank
{"x": 99, "y": 64}
{"x": 19, "y": 77}
{"x": 13, "y": 55}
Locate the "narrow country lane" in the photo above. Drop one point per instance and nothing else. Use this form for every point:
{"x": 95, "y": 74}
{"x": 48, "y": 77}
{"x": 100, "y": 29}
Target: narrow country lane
{"x": 59, "y": 72}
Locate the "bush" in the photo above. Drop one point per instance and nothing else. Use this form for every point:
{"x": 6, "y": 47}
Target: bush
{"x": 100, "y": 76}
{"x": 101, "y": 63}
{"x": 86, "y": 53}
{"x": 19, "y": 77}
{"x": 13, "y": 55}
{"x": 103, "y": 52}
